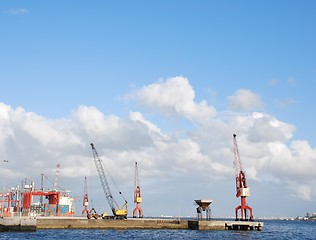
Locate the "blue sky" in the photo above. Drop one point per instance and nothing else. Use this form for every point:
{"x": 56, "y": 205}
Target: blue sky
{"x": 192, "y": 72}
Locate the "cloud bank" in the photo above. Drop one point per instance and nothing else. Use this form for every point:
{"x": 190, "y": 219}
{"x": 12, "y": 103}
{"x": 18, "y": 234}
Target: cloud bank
{"x": 202, "y": 153}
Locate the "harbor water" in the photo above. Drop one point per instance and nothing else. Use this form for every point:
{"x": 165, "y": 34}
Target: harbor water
{"x": 273, "y": 229}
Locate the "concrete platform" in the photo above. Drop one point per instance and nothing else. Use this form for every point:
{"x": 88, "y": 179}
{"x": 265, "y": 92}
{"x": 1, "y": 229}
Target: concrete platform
{"x": 17, "y": 224}
{"x": 144, "y": 223}
{"x": 206, "y": 225}
{"x": 225, "y": 225}
{"x": 83, "y": 223}
{"x": 244, "y": 225}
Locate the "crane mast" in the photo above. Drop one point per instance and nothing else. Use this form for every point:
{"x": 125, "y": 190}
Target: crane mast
{"x": 241, "y": 185}
{"x": 117, "y": 212}
{"x": 138, "y": 211}
{"x": 56, "y": 177}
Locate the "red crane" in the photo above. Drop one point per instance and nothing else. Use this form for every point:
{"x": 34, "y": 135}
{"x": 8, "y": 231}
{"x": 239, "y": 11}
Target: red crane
{"x": 138, "y": 211}
{"x": 241, "y": 186}
{"x": 85, "y": 197}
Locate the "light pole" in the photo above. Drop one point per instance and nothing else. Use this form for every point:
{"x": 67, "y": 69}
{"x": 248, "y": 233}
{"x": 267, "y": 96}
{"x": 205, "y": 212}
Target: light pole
{"x": 3, "y": 195}
{"x": 4, "y": 161}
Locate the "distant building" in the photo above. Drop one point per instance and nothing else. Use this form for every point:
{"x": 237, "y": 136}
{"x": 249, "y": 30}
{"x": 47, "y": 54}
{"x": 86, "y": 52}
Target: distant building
{"x": 311, "y": 215}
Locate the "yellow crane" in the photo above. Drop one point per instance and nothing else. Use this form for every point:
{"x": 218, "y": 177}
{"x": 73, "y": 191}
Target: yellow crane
{"x": 118, "y": 212}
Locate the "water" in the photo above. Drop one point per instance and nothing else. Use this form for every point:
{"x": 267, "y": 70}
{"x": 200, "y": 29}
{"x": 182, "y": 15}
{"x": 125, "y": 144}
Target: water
{"x": 273, "y": 229}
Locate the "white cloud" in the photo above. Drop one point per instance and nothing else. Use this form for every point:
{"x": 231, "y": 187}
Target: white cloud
{"x": 273, "y": 82}
{"x": 292, "y": 82}
{"x": 266, "y": 128}
{"x": 245, "y": 100}
{"x": 284, "y": 102}
{"x": 303, "y": 192}
{"x": 17, "y": 11}
{"x": 175, "y": 96}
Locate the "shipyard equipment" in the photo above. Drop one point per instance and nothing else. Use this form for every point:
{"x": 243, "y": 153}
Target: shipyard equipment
{"x": 204, "y": 205}
{"x": 85, "y": 201}
{"x": 92, "y": 214}
{"x": 241, "y": 186}
{"x": 118, "y": 212}
{"x": 138, "y": 211}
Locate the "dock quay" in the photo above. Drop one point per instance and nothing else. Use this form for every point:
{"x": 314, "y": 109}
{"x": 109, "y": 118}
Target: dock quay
{"x": 144, "y": 223}
{"x": 244, "y": 225}
{"x": 225, "y": 225}
{"x": 132, "y": 223}
{"x": 24, "y": 224}
{"x": 32, "y": 224}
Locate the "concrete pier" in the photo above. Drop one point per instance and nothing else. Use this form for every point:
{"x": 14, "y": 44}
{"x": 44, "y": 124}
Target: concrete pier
{"x": 83, "y": 223}
{"x": 244, "y": 225}
{"x": 206, "y": 225}
{"x": 17, "y": 224}
{"x": 225, "y": 225}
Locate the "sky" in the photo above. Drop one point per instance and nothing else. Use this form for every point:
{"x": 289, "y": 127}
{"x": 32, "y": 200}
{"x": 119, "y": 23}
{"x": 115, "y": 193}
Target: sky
{"x": 166, "y": 84}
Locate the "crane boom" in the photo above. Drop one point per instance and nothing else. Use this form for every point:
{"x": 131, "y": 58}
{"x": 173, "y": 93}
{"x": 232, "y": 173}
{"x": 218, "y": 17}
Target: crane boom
{"x": 56, "y": 177}
{"x": 104, "y": 182}
{"x": 237, "y": 162}
{"x": 241, "y": 183}
{"x": 117, "y": 212}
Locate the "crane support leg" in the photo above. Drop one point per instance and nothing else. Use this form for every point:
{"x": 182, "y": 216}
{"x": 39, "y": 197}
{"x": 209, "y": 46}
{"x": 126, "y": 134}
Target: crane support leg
{"x": 138, "y": 211}
{"x": 243, "y": 211}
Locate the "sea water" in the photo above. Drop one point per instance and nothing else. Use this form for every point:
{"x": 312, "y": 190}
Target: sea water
{"x": 273, "y": 229}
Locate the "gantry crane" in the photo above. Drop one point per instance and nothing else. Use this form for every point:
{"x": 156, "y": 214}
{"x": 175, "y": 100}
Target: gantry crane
{"x": 118, "y": 212}
{"x": 241, "y": 186}
{"x": 85, "y": 201}
{"x": 138, "y": 211}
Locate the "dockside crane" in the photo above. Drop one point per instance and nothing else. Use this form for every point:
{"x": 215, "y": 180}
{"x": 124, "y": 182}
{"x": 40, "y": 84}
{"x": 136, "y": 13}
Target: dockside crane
{"x": 118, "y": 212}
{"x": 241, "y": 186}
{"x": 138, "y": 211}
{"x": 85, "y": 201}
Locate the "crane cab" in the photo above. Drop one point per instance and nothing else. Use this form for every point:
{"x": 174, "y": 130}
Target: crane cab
{"x": 245, "y": 192}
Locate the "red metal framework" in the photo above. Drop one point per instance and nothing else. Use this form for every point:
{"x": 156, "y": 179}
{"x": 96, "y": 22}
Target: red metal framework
{"x": 7, "y": 202}
{"x": 241, "y": 186}
{"x": 85, "y": 198}
{"x": 138, "y": 211}
{"x": 53, "y": 198}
